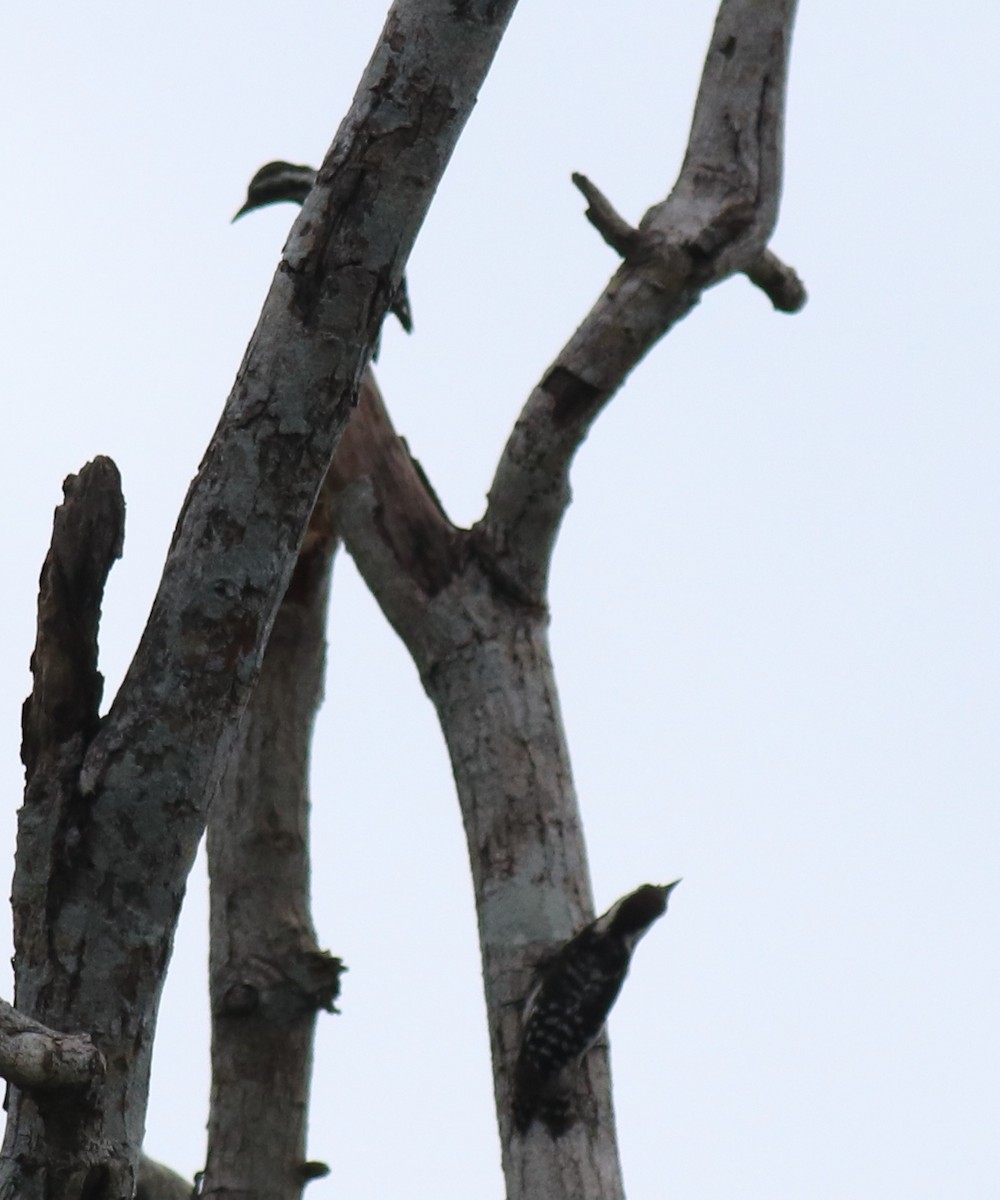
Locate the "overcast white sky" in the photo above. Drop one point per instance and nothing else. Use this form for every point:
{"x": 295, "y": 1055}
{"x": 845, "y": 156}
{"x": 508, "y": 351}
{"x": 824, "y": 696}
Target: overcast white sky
{"x": 775, "y": 597}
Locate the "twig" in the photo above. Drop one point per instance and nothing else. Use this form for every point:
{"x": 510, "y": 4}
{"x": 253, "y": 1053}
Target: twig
{"x": 608, "y": 222}
{"x": 778, "y": 282}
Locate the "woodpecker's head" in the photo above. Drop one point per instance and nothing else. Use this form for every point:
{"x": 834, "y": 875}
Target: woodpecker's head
{"x": 275, "y": 182}
{"x": 278, "y": 181}
{"x": 634, "y": 913}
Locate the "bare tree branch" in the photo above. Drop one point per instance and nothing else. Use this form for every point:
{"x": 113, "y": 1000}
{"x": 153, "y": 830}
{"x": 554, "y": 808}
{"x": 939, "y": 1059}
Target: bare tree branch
{"x": 419, "y": 550}
{"x": 778, "y": 282}
{"x": 110, "y": 909}
{"x": 39, "y": 1059}
{"x": 87, "y": 537}
{"x": 613, "y": 227}
{"x": 715, "y": 222}
{"x": 268, "y": 977}
{"x": 483, "y": 657}
{"x": 475, "y": 619}
{"x": 93, "y": 927}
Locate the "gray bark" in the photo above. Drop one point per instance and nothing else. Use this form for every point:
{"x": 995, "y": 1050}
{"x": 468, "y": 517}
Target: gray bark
{"x": 715, "y": 222}
{"x": 36, "y": 1058}
{"x": 108, "y": 835}
{"x": 268, "y": 977}
{"x": 114, "y": 810}
{"x": 471, "y": 605}
{"x": 483, "y": 658}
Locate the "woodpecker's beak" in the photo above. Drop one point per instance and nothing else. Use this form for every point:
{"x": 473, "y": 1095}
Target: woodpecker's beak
{"x": 669, "y": 887}
{"x": 245, "y": 209}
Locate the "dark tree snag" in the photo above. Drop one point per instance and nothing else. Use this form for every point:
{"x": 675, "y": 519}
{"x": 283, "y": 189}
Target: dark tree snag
{"x": 59, "y": 720}
{"x": 268, "y": 977}
{"x": 471, "y": 605}
{"x": 87, "y": 536}
{"x": 93, "y": 934}
{"x": 715, "y": 223}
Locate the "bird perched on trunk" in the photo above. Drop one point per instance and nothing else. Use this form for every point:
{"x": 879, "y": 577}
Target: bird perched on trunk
{"x": 278, "y": 181}
{"x": 569, "y": 1004}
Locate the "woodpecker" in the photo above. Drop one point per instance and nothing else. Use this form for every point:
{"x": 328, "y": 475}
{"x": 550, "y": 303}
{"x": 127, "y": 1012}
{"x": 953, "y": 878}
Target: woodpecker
{"x": 275, "y": 182}
{"x": 565, "y": 1011}
{"x": 278, "y": 181}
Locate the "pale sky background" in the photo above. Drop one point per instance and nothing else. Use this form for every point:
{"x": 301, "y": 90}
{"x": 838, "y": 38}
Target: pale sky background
{"x": 776, "y": 598}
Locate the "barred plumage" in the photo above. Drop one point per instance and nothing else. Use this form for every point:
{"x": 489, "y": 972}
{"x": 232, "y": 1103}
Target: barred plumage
{"x": 279, "y": 181}
{"x": 566, "y": 1011}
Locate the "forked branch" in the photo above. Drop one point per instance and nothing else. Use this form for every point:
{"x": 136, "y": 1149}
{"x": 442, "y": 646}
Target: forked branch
{"x": 113, "y": 871}
{"x": 471, "y": 605}
{"x": 714, "y": 223}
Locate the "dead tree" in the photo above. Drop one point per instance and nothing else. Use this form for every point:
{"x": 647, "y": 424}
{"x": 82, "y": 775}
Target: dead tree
{"x": 113, "y": 814}
{"x": 114, "y": 809}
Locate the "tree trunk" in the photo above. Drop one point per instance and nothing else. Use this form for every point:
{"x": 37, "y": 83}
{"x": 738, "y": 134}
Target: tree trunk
{"x": 113, "y": 818}
{"x": 496, "y": 699}
{"x": 268, "y": 977}
{"x": 114, "y": 809}
{"x": 483, "y": 656}
{"x": 471, "y": 605}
